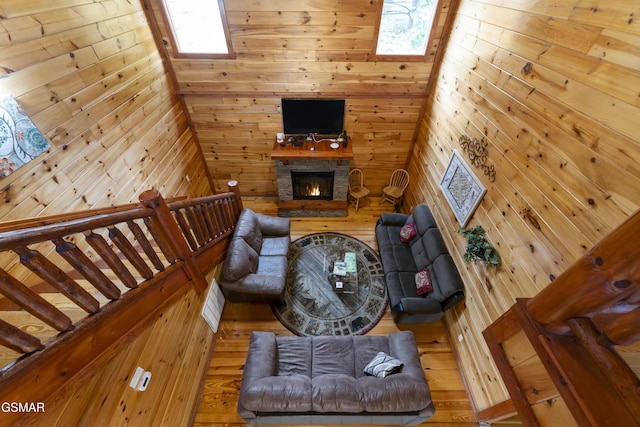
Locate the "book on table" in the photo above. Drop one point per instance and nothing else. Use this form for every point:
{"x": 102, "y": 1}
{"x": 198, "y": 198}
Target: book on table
{"x": 339, "y": 268}
{"x": 350, "y": 262}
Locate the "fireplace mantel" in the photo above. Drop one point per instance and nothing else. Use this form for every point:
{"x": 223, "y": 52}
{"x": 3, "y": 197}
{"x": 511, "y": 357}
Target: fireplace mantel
{"x": 290, "y": 158}
{"x": 303, "y": 152}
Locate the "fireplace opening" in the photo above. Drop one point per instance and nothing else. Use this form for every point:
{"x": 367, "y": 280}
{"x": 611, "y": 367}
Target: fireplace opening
{"x": 312, "y": 185}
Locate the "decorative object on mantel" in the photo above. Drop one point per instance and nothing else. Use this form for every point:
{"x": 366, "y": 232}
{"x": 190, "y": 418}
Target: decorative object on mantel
{"x": 20, "y": 140}
{"x": 478, "y": 153}
{"x": 478, "y": 248}
{"x": 462, "y": 189}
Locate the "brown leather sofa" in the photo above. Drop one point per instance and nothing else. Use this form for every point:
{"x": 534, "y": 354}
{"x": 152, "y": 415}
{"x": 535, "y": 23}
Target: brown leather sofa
{"x": 321, "y": 380}
{"x": 255, "y": 268}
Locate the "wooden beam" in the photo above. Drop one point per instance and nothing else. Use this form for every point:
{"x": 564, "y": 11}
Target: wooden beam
{"x": 604, "y": 276}
{"x": 163, "y": 221}
{"x": 504, "y": 327}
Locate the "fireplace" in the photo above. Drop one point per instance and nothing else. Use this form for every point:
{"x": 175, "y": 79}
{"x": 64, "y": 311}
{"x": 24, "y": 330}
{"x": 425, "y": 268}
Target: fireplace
{"x": 312, "y": 184}
{"x": 313, "y": 179}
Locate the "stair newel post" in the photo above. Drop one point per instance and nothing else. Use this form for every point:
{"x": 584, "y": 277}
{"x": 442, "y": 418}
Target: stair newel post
{"x": 167, "y": 227}
{"x": 233, "y": 187}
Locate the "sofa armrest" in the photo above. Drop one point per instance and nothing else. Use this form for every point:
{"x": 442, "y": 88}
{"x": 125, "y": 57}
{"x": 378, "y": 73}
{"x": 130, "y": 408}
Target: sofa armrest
{"x": 420, "y": 305}
{"x": 402, "y": 345}
{"x": 391, "y": 219}
{"x": 256, "y": 284}
{"x": 260, "y": 363}
{"x": 452, "y": 300}
{"x": 273, "y": 225}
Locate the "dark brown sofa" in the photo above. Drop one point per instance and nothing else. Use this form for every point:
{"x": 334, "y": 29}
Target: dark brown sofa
{"x": 321, "y": 380}
{"x": 401, "y": 261}
{"x": 255, "y": 268}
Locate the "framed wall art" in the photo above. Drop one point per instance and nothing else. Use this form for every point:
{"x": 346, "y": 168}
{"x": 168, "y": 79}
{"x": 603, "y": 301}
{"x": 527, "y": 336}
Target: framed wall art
{"x": 462, "y": 189}
{"x": 20, "y": 140}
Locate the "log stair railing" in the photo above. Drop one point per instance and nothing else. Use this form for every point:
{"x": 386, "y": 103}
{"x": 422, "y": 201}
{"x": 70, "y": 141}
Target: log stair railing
{"x": 575, "y": 325}
{"x": 67, "y": 278}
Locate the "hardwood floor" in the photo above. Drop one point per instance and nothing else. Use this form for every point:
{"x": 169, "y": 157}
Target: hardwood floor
{"x": 220, "y": 392}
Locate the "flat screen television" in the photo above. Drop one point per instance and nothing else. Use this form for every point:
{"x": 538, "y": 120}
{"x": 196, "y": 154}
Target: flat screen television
{"x": 302, "y": 116}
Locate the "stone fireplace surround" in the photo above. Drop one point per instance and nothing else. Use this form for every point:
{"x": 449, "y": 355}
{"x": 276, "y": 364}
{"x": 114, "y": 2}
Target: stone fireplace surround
{"x": 299, "y": 208}
{"x": 290, "y": 158}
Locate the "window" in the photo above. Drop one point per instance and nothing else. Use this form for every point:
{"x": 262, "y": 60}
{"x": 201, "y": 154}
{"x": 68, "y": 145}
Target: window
{"x": 405, "y": 27}
{"x": 198, "y": 27}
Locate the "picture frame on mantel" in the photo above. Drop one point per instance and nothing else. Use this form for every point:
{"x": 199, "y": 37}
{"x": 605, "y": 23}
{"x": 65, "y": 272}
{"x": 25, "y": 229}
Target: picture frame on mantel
{"x": 462, "y": 188}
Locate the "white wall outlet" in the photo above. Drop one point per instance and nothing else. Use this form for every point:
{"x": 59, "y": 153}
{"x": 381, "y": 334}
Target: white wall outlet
{"x": 460, "y": 337}
{"x": 140, "y": 379}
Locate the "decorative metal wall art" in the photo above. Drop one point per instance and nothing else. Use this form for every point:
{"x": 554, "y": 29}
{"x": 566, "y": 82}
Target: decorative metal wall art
{"x": 477, "y": 153}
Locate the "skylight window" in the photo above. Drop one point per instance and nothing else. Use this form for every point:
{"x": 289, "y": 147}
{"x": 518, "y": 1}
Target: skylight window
{"x": 198, "y": 27}
{"x": 405, "y": 27}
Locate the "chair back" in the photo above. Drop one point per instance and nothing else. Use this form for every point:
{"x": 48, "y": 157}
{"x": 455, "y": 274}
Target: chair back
{"x": 400, "y": 179}
{"x": 356, "y": 179}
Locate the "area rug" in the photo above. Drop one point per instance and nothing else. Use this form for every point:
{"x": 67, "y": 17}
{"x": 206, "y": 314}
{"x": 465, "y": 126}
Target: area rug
{"x": 313, "y": 306}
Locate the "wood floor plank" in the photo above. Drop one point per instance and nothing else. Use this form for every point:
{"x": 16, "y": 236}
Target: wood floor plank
{"x": 220, "y": 393}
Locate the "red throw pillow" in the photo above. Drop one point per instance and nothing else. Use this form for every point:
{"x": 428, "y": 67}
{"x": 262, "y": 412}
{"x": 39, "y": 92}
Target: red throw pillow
{"x": 423, "y": 282}
{"x": 407, "y": 232}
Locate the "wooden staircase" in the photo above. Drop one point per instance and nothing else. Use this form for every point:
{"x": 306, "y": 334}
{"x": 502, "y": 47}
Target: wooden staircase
{"x": 72, "y": 285}
{"x": 570, "y": 355}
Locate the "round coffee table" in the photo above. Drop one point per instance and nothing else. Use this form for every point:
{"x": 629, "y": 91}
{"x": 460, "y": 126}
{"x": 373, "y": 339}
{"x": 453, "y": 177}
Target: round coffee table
{"x": 314, "y": 305}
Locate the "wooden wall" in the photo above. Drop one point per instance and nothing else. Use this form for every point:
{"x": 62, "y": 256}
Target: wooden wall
{"x": 553, "y": 88}
{"x": 89, "y": 75}
{"x": 319, "y": 48}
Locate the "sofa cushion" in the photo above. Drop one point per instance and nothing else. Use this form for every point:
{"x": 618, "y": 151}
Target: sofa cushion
{"x": 397, "y": 257}
{"x": 407, "y": 232}
{"x": 367, "y": 347}
{"x": 423, "y": 218}
{"x": 427, "y": 247}
{"x": 395, "y": 393}
{"x": 445, "y": 274}
{"x": 336, "y": 393}
{"x": 293, "y": 356}
{"x": 423, "y": 282}
{"x": 272, "y": 265}
{"x": 291, "y": 393}
{"x": 241, "y": 260}
{"x": 275, "y": 245}
{"x": 333, "y": 355}
{"x": 248, "y": 228}
{"x": 382, "y": 365}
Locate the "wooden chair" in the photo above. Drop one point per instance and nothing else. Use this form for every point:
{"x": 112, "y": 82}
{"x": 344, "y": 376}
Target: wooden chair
{"x": 357, "y": 190}
{"x": 395, "y": 190}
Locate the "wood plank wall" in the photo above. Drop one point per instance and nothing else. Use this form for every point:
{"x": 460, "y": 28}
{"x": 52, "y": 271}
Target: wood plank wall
{"x": 319, "y": 48}
{"x": 90, "y": 76}
{"x": 553, "y": 88}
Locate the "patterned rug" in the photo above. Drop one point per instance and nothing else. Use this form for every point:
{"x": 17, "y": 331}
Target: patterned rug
{"x": 313, "y": 305}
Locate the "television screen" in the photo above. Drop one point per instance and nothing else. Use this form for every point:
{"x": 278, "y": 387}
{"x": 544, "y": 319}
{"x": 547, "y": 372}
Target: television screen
{"x": 304, "y": 116}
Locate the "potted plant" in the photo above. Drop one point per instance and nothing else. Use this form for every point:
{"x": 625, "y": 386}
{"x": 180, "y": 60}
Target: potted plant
{"x": 478, "y": 248}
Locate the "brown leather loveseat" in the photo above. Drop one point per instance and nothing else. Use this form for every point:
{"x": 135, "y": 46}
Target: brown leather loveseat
{"x": 255, "y": 268}
{"x": 322, "y": 380}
